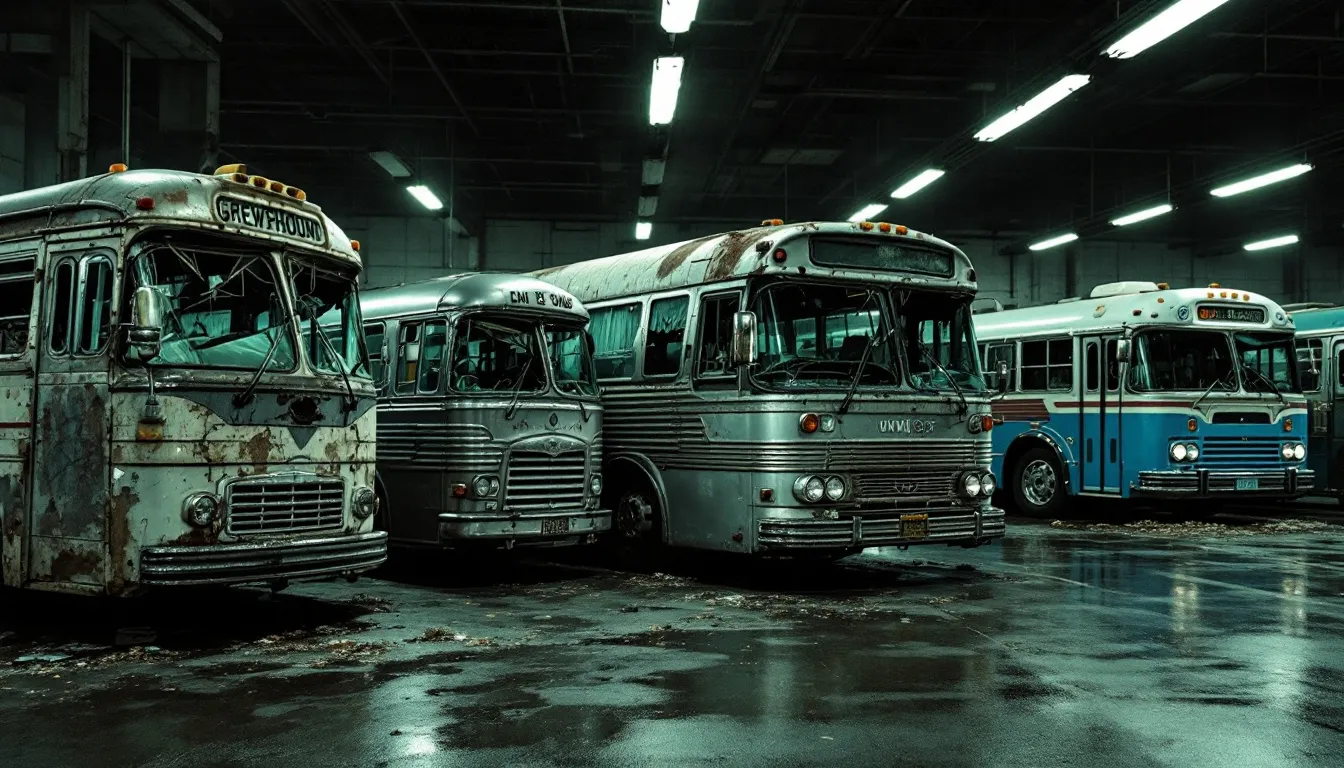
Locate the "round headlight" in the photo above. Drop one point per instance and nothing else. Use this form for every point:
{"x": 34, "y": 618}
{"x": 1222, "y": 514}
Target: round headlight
{"x": 1191, "y": 451}
{"x": 595, "y": 483}
{"x": 835, "y": 488}
{"x": 988, "y": 484}
{"x": 199, "y": 509}
{"x": 1178, "y": 451}
{"x": 363, "y": 502}
{"x": 1287, "y": 451}
{"x": 1299, "y": 451}
{"x": 814, "y": 489}
{"x": 481, "y": 486}
{"x": 970, "y": 484}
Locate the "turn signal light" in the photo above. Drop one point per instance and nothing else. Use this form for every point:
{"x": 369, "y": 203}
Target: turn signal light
{"x": 460, "y": 490}
{"x": 1288, "y": 425}
{"x": 809, "y": 423}
{"x": 780, "y": 256}
{"x": 1192, "y": 425}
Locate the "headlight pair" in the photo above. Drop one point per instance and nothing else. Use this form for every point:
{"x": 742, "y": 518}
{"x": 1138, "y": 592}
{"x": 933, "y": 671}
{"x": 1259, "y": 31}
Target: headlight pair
{"x": 1184, "y": 452}
{"x": 973, "y": 484}
{"x": 1293, "y": 452}
{"x": 815, "y": 488}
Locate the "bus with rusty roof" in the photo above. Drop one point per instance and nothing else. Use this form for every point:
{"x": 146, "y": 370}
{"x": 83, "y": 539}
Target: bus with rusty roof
{"x": 490, "y": 423}
{"x": 186, "y": 392}
{"x": 800, "y": 390}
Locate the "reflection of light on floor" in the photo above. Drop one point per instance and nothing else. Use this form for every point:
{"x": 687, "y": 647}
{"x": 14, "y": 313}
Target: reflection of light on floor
{"x": 1293, "y": 607}
{"x": 421, "y": 745}
{"x": 1184, "y": 606}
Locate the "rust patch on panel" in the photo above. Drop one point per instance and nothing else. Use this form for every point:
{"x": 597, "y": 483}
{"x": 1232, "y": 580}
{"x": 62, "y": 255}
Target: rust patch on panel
{"x": 177, "y": 196}
{"x": 257, "y": 451}
{"x": 120, "y": 509}
{"x": 73, "y": 463}
{"x": 669, "y": 263}
{"x": 71, "y": 563}
{"x": 728, "y": 255}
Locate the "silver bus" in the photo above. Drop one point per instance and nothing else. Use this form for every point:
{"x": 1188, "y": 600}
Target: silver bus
{"x": 490, "y": 426}
{"x": 792, "y": 389}
{"x": 171, "y": 414}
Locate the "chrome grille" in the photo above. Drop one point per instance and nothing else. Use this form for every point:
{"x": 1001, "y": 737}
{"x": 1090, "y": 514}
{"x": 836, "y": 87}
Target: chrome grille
{"x": 1237, "y": 451}
{"x": 906, "y": 482}
{"x": 539, "y": 481}
{"x": 286, "y": 504}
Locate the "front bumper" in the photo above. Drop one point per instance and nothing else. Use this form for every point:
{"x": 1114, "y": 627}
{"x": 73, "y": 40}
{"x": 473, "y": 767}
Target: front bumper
{"x": 537, "y": 529}
{"x": 880, "y": 528}
{"x": 1289, "y": 482}
{"x": 263, "y": 561}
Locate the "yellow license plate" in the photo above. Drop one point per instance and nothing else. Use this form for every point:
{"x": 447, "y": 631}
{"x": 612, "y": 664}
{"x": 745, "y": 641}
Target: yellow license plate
{"x": 914, "y": 526}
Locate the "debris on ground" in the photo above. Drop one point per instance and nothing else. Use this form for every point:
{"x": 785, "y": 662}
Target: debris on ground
{"x": 630, "y": 609}
{"x": 1195, "y": 527}
{"x": 372, "y": 603}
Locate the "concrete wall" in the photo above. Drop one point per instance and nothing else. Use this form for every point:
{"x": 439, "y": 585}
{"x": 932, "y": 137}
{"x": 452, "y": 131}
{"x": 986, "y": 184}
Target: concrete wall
{"x": 406, "y": 249}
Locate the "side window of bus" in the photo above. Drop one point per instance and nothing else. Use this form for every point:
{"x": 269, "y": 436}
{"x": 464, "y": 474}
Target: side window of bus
{"x": 995, "y": 354}
{"x": 665, "y": 336}
{"x": 1093, "y": 364}
{"x": 373, "y": 339}
{"x": 1112, "y": 367}
{"x": 1310, "y": 353}
{"x": 431, "y": 355}
{"x": 614, "y": 330}
{"x": 716, "y": 334}
{"x": 408, "y": 358}
{"x": 1047, "y": 366}
{"x": 16, "y": 303}
{"x": 95, "y": 306}
{"x": 63, "y": 311}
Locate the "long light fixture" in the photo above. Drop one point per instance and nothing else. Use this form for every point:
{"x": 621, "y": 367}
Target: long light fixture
{"x": 427, "y": 198}
{"x": 643, "y": 230}
{"x": 663, "y": 91}
{"x": 868, "y": 212}
{"x": 1263, "y": 180}
{"x": 1033, "y": 107}
{"x": 920, "y": 181}
{"x": 1054, "y": 241}
{"x": 1178, "y": 16}
{"x": 1144, "y": 215}
{"x": 1273, "y": 242}
{"x": 678, "y": 15}
{"x": 390, "y": 163}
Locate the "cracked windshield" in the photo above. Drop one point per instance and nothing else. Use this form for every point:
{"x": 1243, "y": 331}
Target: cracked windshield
{"x": 818, "y": 336}
{"x": 940, "y": 342}
{"x": 571, "y": 360}
{"x": 328, "y": 311}
{"x": 224, "y": 310}
{"x": 495, "y": 354}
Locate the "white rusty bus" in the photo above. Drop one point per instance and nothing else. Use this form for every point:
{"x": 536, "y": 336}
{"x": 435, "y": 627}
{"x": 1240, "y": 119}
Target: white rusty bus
{"x": 806, "y": 389}
{"x": 490, "y": 424}
{"x": 170, "y": 415}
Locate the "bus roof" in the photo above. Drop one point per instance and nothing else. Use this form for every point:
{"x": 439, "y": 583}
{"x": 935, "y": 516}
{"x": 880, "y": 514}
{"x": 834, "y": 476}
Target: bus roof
{"x": 471, "y": 290}
{"x": 1316, "y": 320}
{"x": 175, "y": 198}
{"x": 1141, "y": 304}
{"x": 730, "y": 255}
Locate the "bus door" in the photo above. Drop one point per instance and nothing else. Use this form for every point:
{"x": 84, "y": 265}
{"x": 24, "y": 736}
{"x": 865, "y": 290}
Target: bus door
{"x": 1099, "y": 416}
{"x": 18, "y": 313}
{"x": 1331, "y": 444}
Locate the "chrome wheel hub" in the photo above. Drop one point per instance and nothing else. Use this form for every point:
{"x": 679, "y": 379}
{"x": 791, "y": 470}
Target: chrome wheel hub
{"x": 1039, "y": 482}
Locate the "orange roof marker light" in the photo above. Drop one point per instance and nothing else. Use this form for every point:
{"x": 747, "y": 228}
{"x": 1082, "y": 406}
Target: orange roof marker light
{"x": 772, "y": 223}
{"x": 355, "y": 245}
{"x": 116, "y": 168}
{"x": 901, "y": 229}
{"x": 296, "y": 193}
{"x": 866, "y": 226}
{"x": 231, "y": 169}
{"x": 884, "y": 227}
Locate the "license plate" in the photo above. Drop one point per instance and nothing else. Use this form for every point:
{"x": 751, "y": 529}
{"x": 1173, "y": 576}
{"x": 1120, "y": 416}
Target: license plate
{"x": 914, "y": 526}
{"x": 1248, "y": 484}
{"x": 555, "y": 527}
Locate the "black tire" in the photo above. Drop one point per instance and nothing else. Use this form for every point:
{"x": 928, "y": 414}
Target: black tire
{"x": 1038, "y": 484}
{"x": 636, "y": 527}
{"x": 380, "y": 517}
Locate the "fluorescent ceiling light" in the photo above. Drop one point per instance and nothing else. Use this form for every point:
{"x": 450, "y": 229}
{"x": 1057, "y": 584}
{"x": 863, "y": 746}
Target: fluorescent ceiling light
{"x": 1178, "y": 16}
{"x": 428, "y": 199}
{"x": 648, "y": 205}
{"x": 663, "y": 91}
{"x": 1144, "y": 215}
{"x": 643, "y": 229}
{"x": 1263, "y": 180}
{"x": 1035, "y": 106}
{"x": 1273, "y": 242}
{"x": 391, "y": 163}
{"x": 678, "y": 15}
{"x": 1052, "y": 242}
{"x": 653, "y": 172}
{"x": 924, "y": 179}
{"x": 868, "y": 212}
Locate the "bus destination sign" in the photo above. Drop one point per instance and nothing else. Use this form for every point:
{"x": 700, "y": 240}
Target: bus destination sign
{"x": 1229, "y": 314}
{"x": 252, "y": 215}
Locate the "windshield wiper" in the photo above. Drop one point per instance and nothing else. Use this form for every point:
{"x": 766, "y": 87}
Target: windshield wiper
{"x": 518, "y": 389}
{"x": 1215, "y": 383}
{"x": 1272, "y": 386}
{"x": 351, "y": 401}
{"x": 868, "y": 348}
{"x": 965, "y": 406}
{"x": 245, "y": 397}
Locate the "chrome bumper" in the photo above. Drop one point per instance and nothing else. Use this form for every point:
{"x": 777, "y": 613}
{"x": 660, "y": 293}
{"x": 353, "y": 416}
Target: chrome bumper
{"x": 523, "y": 530}
{"x": 263, "y": 561}
{"x": 1287, "y": 482}
{"x": 880, "y": 528}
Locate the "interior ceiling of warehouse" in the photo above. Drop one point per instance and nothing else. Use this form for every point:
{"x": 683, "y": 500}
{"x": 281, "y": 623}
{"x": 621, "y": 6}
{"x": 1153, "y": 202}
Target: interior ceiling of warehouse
{"x": 798, "y": 109}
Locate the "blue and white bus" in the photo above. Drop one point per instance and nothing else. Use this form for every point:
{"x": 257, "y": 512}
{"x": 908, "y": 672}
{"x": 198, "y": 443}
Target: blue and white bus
{"x": 1320, "y": 367}
{"x": 1139, "y": 391}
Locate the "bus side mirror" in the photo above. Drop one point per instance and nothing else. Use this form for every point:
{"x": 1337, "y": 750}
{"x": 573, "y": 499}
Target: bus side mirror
{"x": 144, "y": 337}
{"x": 1003, "y": 377}
{"x": 1123, "y": 350}
{"x": 744, "y": 339}
{"x": 589, "y": 343}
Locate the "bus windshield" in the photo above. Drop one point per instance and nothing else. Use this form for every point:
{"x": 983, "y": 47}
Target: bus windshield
{"x": 328, "y": 304}
{"x": 1181, "y": 360}
{"x": 224, "y": 307}
{"x": 496, "y": 354}
{"x": 571, "y": 360}
{"x": 1267, "y": 356}
{"x": 814, "y": 336}
{"x": 939, "y": 341}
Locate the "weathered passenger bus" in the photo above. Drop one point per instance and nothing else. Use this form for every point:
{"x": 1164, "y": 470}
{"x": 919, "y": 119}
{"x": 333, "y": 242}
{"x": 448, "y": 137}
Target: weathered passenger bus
{"x": 490, "y": 431}
{"x": 170, "y": 414}
{"x": 1139, "y": 391}
{"x": 792, "y": 390}
{"x": 1320, "y": 368}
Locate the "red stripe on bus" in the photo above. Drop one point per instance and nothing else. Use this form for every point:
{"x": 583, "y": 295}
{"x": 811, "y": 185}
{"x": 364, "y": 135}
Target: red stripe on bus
{"x": 1130, "y": 403}
{"x": 15, "y": 424}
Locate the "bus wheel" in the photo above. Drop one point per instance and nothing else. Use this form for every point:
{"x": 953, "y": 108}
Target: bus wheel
{"x": 380, "y": 516}
{"x": 635, "y": 515}
{"x": 1038, "y": 484}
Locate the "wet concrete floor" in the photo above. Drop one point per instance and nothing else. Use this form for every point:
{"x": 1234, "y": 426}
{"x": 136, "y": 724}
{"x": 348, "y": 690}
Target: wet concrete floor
{"x": 1072, "y": 646}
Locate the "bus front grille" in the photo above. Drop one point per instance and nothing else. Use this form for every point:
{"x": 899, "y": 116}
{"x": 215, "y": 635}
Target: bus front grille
{"x": 905, "y": 483}
{"x": 288, "y": 504}
{"x": 539, "y": 482}
{"x": 1241, "y": 451}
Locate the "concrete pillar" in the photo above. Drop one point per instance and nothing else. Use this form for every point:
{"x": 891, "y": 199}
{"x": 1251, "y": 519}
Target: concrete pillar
{"x": 41, "y": 161}
{"x": 72, "y": 112}
{"x": 188, "y": 117}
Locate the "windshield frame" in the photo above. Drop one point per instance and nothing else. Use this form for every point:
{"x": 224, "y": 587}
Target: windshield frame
{"x": 455, "y": 319}
{"x": 1279, "y": 338}
{"x": 586, "y": 352}
{"x": 1139, "y": 340}
{"x": 336, "y": 271}
{"x": 975, "y": 382}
